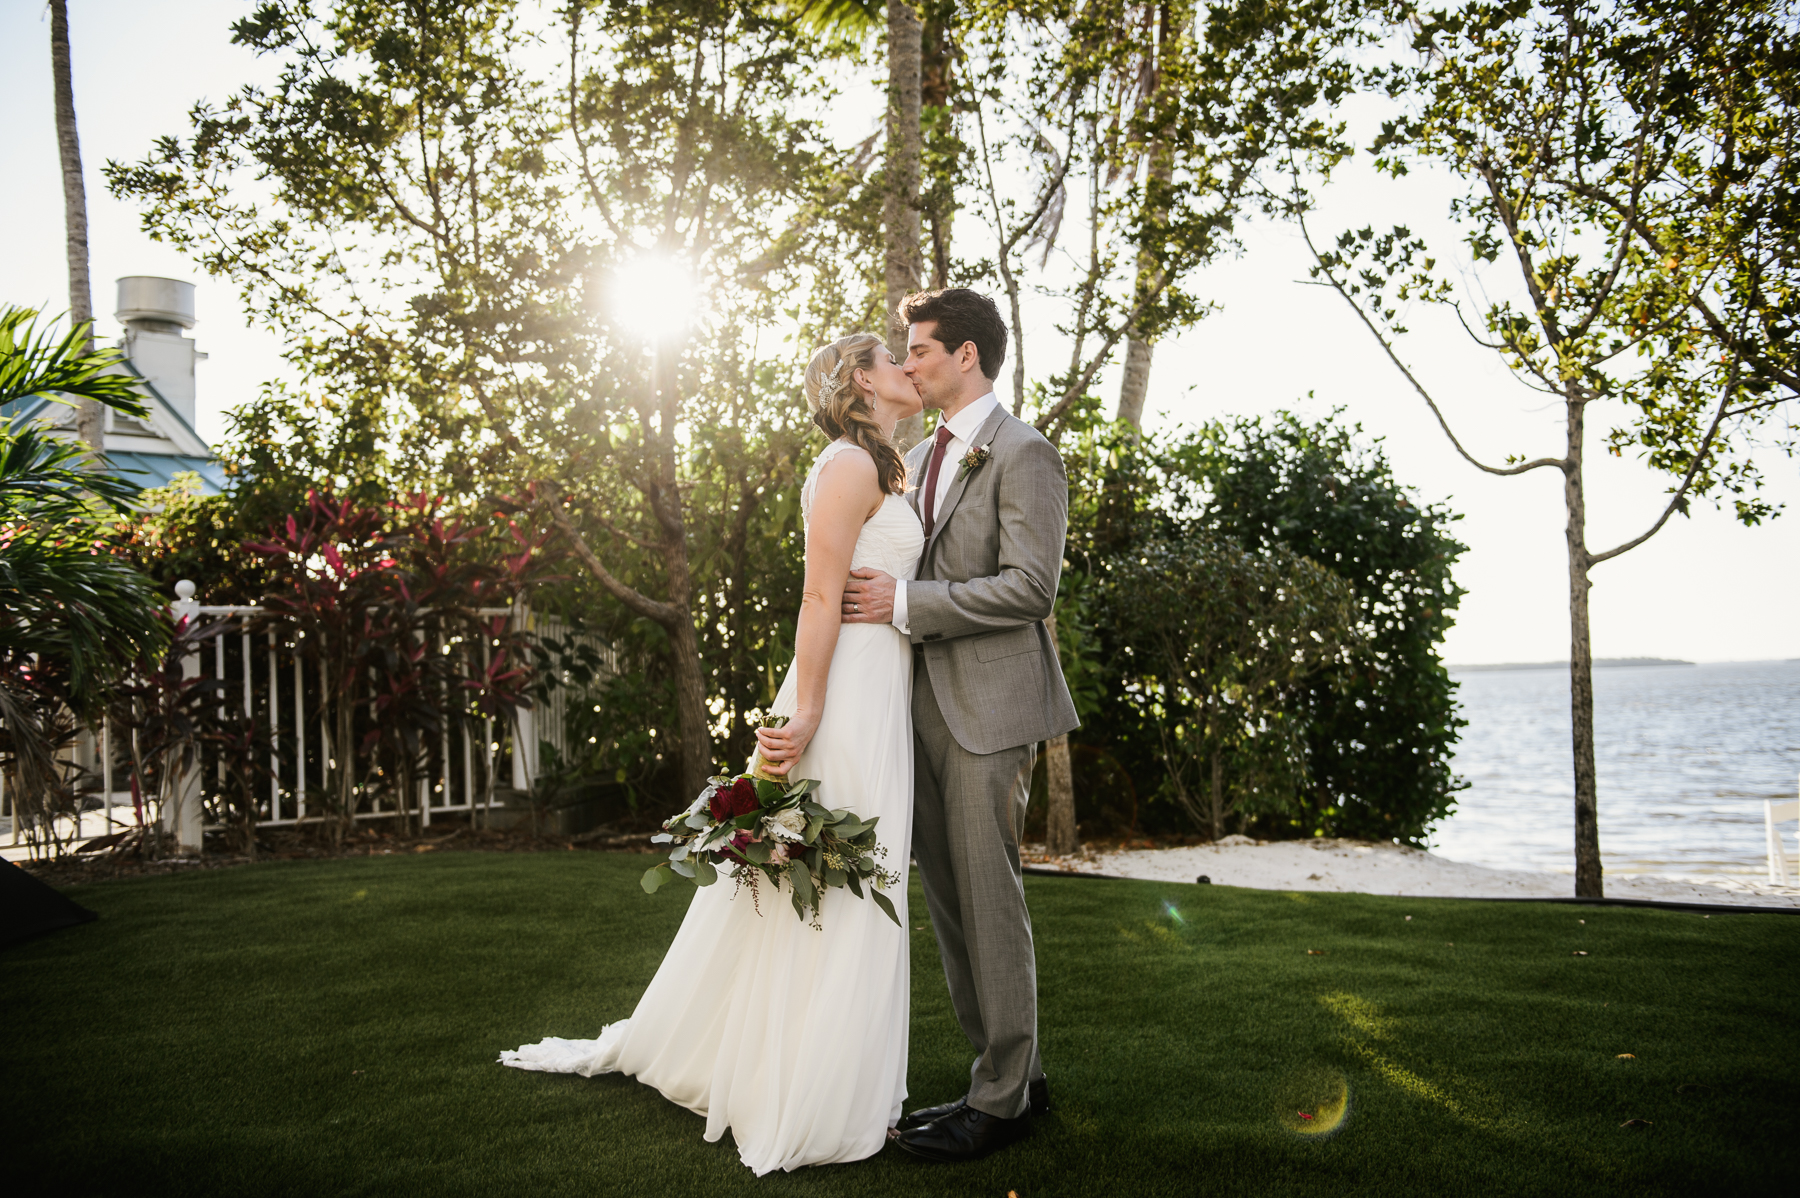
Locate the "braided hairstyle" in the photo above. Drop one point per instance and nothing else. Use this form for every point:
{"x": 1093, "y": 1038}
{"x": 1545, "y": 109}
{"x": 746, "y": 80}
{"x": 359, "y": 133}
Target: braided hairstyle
{"x": 842, "y": 411}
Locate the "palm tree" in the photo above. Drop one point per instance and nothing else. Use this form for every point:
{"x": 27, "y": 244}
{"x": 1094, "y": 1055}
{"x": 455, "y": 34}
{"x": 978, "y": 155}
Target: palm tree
{"x": 89, "y": 418}
{"x": 71, "y": 619}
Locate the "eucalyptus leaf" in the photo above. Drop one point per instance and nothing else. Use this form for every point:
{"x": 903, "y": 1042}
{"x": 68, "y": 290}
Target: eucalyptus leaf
{"x": 834, "y": 876}
{"x": 654, "y": 877}
{"x": 757, "y": 852}
{"x": 662, "y": 838}
{"x": 881, "y": 900}
{"x": 800, "y": 878}
{"x": 684, "y": 868}
{"x": 855, "y": 884}
{"x": 705, "y": 873}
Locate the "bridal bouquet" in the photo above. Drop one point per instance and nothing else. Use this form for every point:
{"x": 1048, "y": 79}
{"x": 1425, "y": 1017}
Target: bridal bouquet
{"x": 759, "y": 827}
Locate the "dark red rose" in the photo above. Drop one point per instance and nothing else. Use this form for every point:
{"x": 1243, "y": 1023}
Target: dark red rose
{"x": 737, "y": 799}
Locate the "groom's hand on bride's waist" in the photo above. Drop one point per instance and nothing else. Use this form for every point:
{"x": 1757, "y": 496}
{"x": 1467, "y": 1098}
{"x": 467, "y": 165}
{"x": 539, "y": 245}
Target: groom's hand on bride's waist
{"x": 869, "y": 597}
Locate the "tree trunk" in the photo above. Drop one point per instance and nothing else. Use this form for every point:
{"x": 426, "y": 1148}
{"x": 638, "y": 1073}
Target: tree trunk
{"x": 1218, "y": 795}
{"x": 1136, "y": 382}
{"x": 89, "y": 415}
{"x": 1581, "y": 669}
{"x": 690, "y": 697}
{"x": 938, "y": 207}
{"x": 1061, "y": 836}
{"x": 900, "y": 211}
{"x": 695, "y": 754}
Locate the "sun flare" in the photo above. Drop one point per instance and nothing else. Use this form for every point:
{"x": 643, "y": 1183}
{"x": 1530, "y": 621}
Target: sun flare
{"x": 653, "y": 296}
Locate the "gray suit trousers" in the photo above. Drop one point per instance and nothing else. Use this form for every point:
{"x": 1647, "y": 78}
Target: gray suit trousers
{"x": 968, "y": 813}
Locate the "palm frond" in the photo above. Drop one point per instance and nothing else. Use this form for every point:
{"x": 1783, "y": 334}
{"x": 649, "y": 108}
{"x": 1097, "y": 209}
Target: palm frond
{"x": 46, "y": 478}
{"x": 837, "y": 16}
{"x": 35, "y": 363}
{"x": 72, "y": 609}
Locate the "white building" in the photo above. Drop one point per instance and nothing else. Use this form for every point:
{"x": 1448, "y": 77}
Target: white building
{"x": 151, "y": 451}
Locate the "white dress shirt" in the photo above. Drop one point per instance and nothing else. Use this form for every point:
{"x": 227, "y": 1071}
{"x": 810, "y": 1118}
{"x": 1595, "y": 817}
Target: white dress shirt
{"x": 963, "y": 427}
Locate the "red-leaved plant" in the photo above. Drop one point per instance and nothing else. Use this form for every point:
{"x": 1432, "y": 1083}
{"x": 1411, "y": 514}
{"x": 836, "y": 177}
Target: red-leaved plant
{"x": 386, "y": 605}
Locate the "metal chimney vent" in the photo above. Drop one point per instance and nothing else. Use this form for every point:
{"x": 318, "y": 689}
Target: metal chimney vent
{"x": 156, "y": 301}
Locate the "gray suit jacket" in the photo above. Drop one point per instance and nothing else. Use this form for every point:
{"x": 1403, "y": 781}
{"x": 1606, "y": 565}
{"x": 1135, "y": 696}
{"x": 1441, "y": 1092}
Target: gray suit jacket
{"x": 985, "y": 583}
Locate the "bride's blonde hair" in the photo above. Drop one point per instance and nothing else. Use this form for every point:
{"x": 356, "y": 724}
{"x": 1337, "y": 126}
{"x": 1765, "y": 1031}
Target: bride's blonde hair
{"x": 840, "y": 409}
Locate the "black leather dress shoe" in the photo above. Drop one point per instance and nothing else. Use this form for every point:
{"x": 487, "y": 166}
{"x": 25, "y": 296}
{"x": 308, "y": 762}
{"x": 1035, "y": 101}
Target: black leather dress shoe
{"x": 967, "y": 1135}
{"x": 1037, "y": 1094}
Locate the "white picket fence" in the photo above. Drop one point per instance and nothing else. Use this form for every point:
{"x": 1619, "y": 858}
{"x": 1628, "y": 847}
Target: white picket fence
{"x": 269, "y": 677}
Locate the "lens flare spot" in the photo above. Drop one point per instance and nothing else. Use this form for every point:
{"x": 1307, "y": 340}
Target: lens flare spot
{"x": 1173, "y": 913}
{"x": 1314, "y": 1102}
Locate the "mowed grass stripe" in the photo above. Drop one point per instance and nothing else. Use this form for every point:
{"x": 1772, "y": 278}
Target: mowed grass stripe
{"x": 331, "y": 1028}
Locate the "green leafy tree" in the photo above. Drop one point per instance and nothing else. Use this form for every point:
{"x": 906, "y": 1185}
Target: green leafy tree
{"x": 519, "y": 214}
{"x": 1629, "y": 196}
{"x": 1217, "y": 645}
{"x": 1136, "y": 136}
{"x": 1381, "y": 725}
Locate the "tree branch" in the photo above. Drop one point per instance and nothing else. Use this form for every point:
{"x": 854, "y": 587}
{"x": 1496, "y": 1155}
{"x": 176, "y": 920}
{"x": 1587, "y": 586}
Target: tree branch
{"x": 1679, "y": 499}
{"x": 1387, "y": 347}
{"x": 550, "y": 498}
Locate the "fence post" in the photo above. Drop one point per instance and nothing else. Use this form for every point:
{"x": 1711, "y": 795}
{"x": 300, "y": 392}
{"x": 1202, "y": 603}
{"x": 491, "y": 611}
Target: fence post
{"x": 525, "y": 737}
{"x": 182, "y": 814}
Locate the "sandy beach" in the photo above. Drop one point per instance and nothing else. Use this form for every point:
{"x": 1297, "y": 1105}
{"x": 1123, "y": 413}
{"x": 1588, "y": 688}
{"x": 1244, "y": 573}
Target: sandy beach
{"x": 1373, "y": 868}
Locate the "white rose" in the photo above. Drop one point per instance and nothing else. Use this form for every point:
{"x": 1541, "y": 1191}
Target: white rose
{"x": 788, "y": 824}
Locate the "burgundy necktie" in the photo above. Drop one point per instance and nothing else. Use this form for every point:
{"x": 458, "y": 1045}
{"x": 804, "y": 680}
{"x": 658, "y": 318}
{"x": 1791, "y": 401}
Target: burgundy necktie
{"x": 938, "y": 445}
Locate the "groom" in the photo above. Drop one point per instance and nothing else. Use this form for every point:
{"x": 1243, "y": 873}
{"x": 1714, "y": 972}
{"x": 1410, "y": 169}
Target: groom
{"x": 993, "y": 499}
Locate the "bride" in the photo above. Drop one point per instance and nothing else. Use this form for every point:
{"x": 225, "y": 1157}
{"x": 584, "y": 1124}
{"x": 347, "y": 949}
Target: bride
{"x": 745, "y": 1020}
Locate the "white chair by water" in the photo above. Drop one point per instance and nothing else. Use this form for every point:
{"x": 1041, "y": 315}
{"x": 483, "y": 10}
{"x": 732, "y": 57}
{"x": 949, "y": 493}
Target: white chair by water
{"x": 1784, "y": 867}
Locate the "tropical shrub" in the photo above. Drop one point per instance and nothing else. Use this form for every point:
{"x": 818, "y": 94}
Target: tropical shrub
{"x": 72, "y": 615}
{"x": 1365, "y": 732}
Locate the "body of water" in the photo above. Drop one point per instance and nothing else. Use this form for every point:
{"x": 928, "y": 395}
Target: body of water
{"x": 1685, "y": 757}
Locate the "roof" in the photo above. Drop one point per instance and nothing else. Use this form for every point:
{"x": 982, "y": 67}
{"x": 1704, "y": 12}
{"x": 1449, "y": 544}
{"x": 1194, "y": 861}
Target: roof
{"x": 159, "y": 469}
{"x": 145, "y": 468}
{"x": 31, "y": 405}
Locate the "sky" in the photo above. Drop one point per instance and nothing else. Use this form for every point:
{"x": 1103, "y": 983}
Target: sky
{"x": 1704, "y": 589}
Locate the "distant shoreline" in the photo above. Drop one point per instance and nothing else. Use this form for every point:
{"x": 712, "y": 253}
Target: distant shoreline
{"x": 1599, "y": 662}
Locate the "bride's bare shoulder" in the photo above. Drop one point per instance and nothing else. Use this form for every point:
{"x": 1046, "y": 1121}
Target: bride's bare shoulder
{"x": 849, "y": 464}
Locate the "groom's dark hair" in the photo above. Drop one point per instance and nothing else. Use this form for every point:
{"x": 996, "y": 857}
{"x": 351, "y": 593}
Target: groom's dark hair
{"x": 961, "y": 315}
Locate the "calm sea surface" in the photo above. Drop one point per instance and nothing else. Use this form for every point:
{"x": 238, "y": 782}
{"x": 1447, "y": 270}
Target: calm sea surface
{"x": 1685, "y": 754}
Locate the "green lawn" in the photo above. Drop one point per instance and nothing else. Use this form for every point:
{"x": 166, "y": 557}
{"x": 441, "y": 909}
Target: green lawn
{"x": 331, "y": 1028}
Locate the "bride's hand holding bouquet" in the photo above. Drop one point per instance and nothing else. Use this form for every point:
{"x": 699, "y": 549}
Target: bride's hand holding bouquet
{"x": 781, "y": 742}
{"x": 761, "y": 825}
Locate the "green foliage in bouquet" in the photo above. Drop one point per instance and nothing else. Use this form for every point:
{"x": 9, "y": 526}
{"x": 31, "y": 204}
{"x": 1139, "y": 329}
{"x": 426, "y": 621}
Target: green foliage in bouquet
{"x": 759, "y": 827}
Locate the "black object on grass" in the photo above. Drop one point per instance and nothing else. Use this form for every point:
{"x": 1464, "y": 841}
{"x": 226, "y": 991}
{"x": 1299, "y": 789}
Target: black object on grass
{"x": 28, "y": 906}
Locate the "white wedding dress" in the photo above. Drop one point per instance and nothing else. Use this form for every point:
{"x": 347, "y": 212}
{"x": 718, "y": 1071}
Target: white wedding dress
{"x": 795, "y": 1039}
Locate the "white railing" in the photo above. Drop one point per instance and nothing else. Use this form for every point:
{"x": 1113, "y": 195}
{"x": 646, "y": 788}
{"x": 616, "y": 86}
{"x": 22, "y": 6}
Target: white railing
{"x": 266, "y": 675}
{"x": 551, "y": 720}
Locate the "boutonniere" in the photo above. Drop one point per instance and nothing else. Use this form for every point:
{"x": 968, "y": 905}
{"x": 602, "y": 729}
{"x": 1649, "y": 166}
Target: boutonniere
{"x": 973, "y": 461}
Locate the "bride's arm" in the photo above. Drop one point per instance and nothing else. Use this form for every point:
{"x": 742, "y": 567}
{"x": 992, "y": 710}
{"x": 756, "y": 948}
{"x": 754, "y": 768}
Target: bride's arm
{"x": 845, "y": 495}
